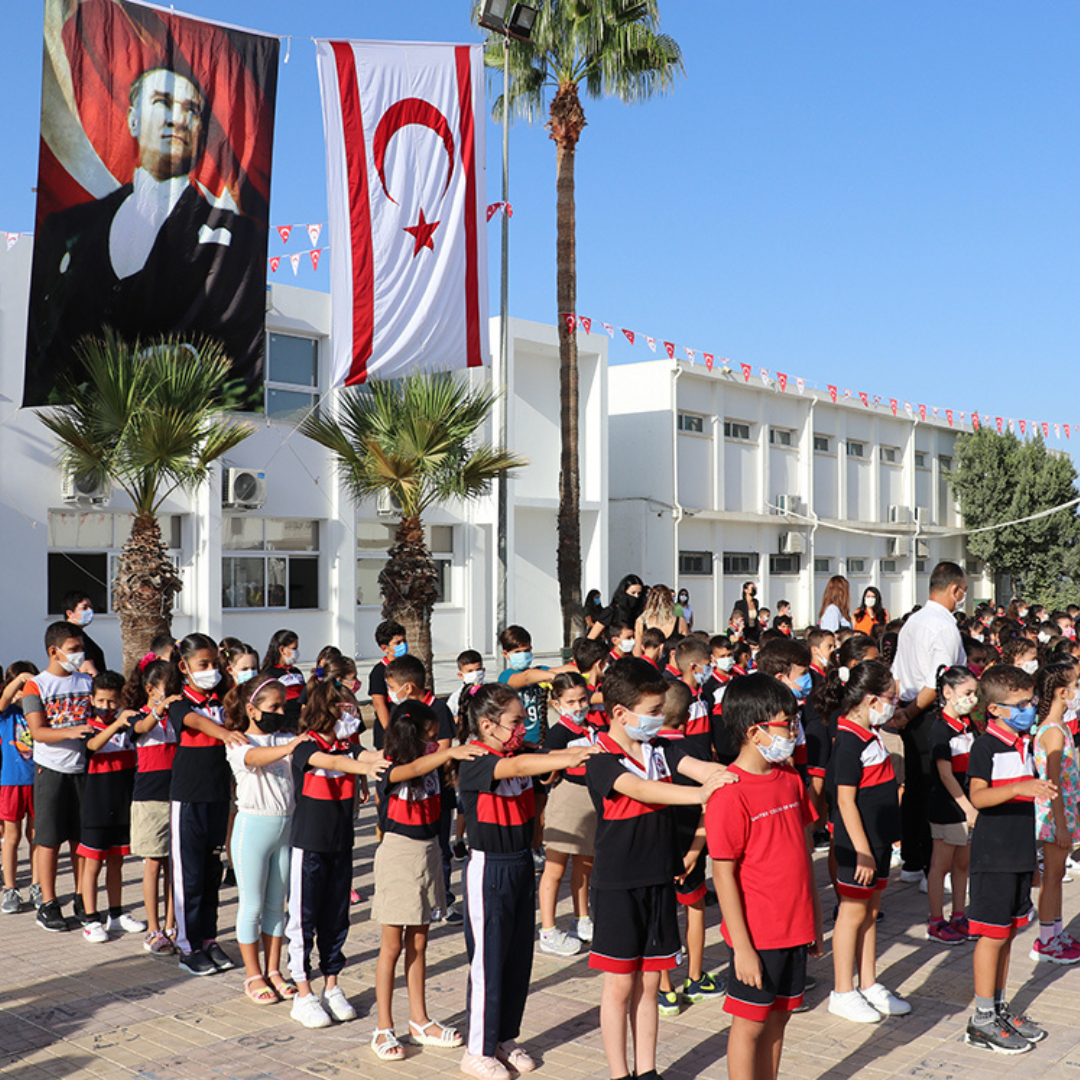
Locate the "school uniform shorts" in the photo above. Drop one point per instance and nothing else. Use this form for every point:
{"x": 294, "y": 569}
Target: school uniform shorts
{"x": 692, "y": 888}
{"x": 783, "y": 980}
{"x": 999, "y": 903}
{"x": 635, "y": 929}
{"x": 16, "y": 802}
{"x": 955, "y": 833}
{"x": 150, "y": 829}
{"x": 57, "y": 806}
{"x": 845, "y": 874}
{"x": 570, "y": 820}
{"x": 101, "y": 844}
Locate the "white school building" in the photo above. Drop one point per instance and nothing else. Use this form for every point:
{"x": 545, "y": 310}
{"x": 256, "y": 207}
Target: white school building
{"x": 681, "y": 472}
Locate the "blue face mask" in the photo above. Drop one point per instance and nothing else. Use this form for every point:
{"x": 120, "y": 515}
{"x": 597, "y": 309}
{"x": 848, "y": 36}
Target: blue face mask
{"x": 803, "y": 685}
{"x": 647, "y": 727}
{"x": 1021, "y": 719}
{"x": 245, "y": 676}
{"x": 401, "y": 649}
{"x": 520, "y": 661}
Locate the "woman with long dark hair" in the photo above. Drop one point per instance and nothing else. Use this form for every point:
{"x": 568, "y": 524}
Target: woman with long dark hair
{"x": 627, "y": 603}
{"x": 870, "y": 612}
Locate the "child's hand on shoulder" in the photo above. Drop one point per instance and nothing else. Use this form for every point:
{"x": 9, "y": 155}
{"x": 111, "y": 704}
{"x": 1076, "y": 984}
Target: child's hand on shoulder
{"x": 467, "y": 752}
{"x": 303, "y": 737}
{"x": 233, "y": 738}
{"x": 578, "y": 754}
{"x": 721, "y": 778}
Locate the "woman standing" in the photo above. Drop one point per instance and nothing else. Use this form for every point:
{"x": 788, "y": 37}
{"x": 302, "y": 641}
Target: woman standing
{"x": 749, "y": 607}
{"x": 659, "y": 613}
{"x": 870, "y": 612}
{"x": 625, "y": 607}
{"x": 835, "y": 613}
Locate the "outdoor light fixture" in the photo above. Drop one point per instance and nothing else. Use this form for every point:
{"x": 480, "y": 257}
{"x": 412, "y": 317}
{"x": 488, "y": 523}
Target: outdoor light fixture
{"x": 513, "y": 20}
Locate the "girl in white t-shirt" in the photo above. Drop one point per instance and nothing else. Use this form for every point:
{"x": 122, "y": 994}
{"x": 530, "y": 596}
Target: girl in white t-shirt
{"x": 260, "y": 836}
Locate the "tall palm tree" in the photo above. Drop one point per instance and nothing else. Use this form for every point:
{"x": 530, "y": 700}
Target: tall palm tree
{"x": 149, "y": 418}
{"x": 412, "y": 440}
{"x": 609, "y": 48}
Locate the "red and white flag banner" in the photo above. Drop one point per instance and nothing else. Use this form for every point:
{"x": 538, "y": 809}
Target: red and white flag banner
{"x": 746, "y": 369}
{"x": 1066, "y": 426}
{"x": 315, "y": 253}
{"x": 864, "y": 398}
{"x": 284, "y": 231}
{"x": 709, "y": 358}
{"x": 892, "y": 405}
{"x": 294, "y": 261}
{"x": 949, "y": 416}
{"x": 12, "y": 239}
{"x": 801, "y": 384}
{"x": 690, "y": 353}
{"x": 629, "y": 336}
{"x": 651, "y": 342}
{"x": 585, "y": 323}
{"x": 832, "y": 392}
{"x": 571, "y": 322}
{"x": 669, "y": 348}
{"x": 313, "y": 233}
{"x": 409, "y": 282}
{"x": 975, "y": 420}
{"x": 781, "y": 378}
{"x": 275, "y": 262}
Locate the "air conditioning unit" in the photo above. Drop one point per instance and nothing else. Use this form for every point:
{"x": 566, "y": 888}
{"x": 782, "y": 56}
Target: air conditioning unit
{"x": 922, "y": 515}
{"x": 922, "y": 549}
{"x": 898, "y": 547}
{"x": 243, "y": 489}
{"x": 899, "y": 515}
{"x": 788, "y": 504}
{"x": 83, "y": 491}
{"x": 388, "y": 506}
{"x": 792, "y": 543}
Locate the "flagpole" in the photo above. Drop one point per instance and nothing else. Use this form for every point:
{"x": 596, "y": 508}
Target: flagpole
{"x": 504, "y": 347}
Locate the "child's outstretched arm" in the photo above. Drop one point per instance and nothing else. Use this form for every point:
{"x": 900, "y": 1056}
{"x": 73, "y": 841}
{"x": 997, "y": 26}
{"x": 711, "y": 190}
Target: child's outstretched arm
{"x": 100, "y": 738}
{"x": 430, "y": 762}
{"x": 367, "y": 763}
{"x": 699, "y": 771}
{"x": 259, "y": 756}
{"x": 205, "y": 726}
{"x": 983, "y": 795}
{"x": 746, "y": 960}
{"x": 154, "y": 716}
{"x": 660, "y": 793}
{"x": 541, "y": 764}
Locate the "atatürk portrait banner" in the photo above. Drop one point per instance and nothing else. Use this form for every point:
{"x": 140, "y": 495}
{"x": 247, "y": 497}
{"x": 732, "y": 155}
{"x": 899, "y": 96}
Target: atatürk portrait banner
{"x": 153, "y": 186}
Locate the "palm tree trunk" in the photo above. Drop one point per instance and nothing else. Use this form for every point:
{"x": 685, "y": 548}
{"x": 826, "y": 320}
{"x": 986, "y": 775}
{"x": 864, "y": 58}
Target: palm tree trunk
{"x": 143, "y": 591}
{"x": 408, "y": 587}
{"x": 567, "y": 121}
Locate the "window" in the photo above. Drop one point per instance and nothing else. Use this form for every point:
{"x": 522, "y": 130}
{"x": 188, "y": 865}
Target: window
{"x": 822, "y": 444}
{"x": 292, "y": 376}
{"x": 920, "y": 459}
{"x": 856, "y": 566}
{"x": 741, "y": 562}
{"x": 373, "y": 540}
{"x": 856, "y": 449}
{"x": 945, "y": 462}
{"x": 697, "y": 563}
{"x": 733, "y": 429}
{"x": 84, "y": 549}
{"x": 275, "y": 565}
{"x": 690, "y": 422}
{"x": 781, "y": 437}
{"x": 890, "y": 455}
{"x": 920, "y": 566}
{"x": 823, "y": 566}
{"x": 784, "y": 564}
{"x": 888, "y": 566}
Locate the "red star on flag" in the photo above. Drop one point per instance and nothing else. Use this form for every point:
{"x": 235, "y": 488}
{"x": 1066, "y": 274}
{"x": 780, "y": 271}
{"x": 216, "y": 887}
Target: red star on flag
{"x": 422, "y": 232}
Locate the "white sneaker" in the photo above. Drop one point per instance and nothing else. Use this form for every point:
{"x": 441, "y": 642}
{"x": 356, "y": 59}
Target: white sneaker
{"x": 853, "y": 1006}
{"x": 126, "y": 923}
{"x": 95, "y": 933}
{"x": 584, "y": 929}
{"x": 911, "y": 877}
{"x": 556, "y": 943}
{"x": 309, "y": 1012}
{"x": 337, "y": 1004}
{"x": 885, "y": 1001}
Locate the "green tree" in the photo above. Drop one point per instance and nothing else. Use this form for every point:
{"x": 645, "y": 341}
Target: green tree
{"x": 609, "y": 48}
{"x": 412, "y": 440}
{"x": 149, "y": 418}
{"x": 999, "y": 478}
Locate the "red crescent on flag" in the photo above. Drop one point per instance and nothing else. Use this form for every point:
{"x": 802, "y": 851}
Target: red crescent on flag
{"x": 401, "y": 114}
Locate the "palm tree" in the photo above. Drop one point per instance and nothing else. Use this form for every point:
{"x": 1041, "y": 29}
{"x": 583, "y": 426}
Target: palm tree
{"x": 149, "y": 418}
{"x": 412, "y": 440}
{"x": 609, "y": 47}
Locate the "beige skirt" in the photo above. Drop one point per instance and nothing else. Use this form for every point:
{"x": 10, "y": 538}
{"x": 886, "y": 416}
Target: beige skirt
{"x": 408, "y": 881}
{"x": 570, "y": 819}
{"x": 150, "y": 829}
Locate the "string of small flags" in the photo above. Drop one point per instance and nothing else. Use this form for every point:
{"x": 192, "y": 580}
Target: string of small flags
{"x": 780, "y": 382}
{"x": 295, "y": 257}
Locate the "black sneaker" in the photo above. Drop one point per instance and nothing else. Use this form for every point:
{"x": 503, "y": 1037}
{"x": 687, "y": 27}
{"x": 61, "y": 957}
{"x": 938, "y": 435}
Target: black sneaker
{"x": 50, "y": 917}
{"x": 460, "y": 850}
{"x": 1024, "y": 1026}
{"x": 822, "y": 840}
{"x": 454, "y": 917}
{"x": 228, "y": 879}
{"x": 80, "y": 908}
{"x": 218, "y": 957}
{"x": 197, "y": 963}
{"x": 997, "y": 1034}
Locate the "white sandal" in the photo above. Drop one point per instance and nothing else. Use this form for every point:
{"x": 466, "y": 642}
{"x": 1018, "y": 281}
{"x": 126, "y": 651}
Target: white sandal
{"x": 389, "y": 1049}
{"x": 447, "y": 1039}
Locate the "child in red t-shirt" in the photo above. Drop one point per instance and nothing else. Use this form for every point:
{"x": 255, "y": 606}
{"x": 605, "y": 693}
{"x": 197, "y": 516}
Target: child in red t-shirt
{"x": 758, "y": 832}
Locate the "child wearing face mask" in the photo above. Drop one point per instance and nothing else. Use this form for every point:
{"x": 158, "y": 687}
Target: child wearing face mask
{"x": 280, "y": 663}
{"x": 500, "y": 878}
{"x": 106, "y": 809}
{"x": 1003, "y": 788}
{"x": 866, "y": 823}
{"x": 692, "y": 666}
{"x": 570, "y": 818}
{"x": 686, "y": 611}
{"x": 241, "y": 663}
{"x": 1021, "y": 653}
{"x": 259, "y": 845}
{"x": 789, "y": 661}
{"x": 952, "y": 817}
{"x": 1057, "y": 819}
{"x": 470, "y": 666}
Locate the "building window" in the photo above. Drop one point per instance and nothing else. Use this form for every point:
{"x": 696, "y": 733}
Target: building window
{"x": 292, "y": 376}
{"x": 734, "y": 429}
{"x": 890, "y": 455}
{"x": 692, "y": 423}
{"x": 781, "y": 437}
{"x": 920, "y": 566}
{"x": 271, "y": 563}
{"x": 945, "y": 462}
{"x": 741, "y": 563}
{"x": 373, "y": 540}
{"x": 856, "y": 566}
{"x": 856, "y": 449}
{"x": 920, "y": 460}
{"x": 84, "y": 550}
{"x": 695, "y": 563}
{"x": 784, "y": 564}
{"x": 822, "y": 566}
{"x": 888, "y": 566}
{"x": 822, "y": 443}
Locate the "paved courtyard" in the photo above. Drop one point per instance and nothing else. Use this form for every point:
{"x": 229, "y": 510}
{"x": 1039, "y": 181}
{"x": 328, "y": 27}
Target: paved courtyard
{"x": 69, "y": 1009}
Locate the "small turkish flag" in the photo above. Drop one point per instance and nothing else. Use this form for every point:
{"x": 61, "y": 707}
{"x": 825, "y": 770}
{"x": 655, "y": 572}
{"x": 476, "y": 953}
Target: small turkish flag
{"x": 1066, "y": 431}
{"x": 570, "y": 321}
{"x": 907, "y": 408}
{"x": 285, "y": 231}
{"x": 315, "y": 258}
{"x": 12, "y": 239}
{"x": 975, "y": 420}
{"x": 801, "y": 384}
{"x": 709, "y": 360}
{"x": 313, "y": 233}
{"x": 1023, "y": 427}
{"x": 586, "y": 324}
{"x": 1046, "y": 430}
{"x": 922, "y": 412}
{"x": 745, "y": 372}
{"x": 864, "y": 399}
{"x": 629, "y": 336}
{"x": 669, "y": 348}
{"x": 892, "y": 405}
{"x": 781, "y": 378}
{"x": 492, "y": 210}
{"x": 948, "y": 416}
{"x": 764, "y": 374}
{"x": 1000, "y": 426}
{"x": 832, "y": 392}
{"x": 275, "y": 262}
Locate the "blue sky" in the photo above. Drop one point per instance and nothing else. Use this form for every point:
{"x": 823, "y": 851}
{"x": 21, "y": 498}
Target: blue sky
{"x": 881, "y": 196}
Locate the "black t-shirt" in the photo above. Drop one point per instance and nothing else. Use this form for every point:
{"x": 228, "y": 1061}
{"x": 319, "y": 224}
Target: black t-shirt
{"x": 93, "y": 652}
{"x": 636, "y": 843}
{"x": 951, "y": 741}
{"x": 687, "y": 818}
{"x": 323, "y": 819}
{"x": 566, "y": 733}
{"x": 498, "y": 813}
{"x": 295, "y": 691}
{"x": 377, "y": 686}
{"x": 712, "y": 692}
{"x": 818, "y": 740}
{"x": 860, "y": 760}
{"x": 1004, "y": 839}
{"x": 447, "y": 730}
{"x": 200, "y": 772}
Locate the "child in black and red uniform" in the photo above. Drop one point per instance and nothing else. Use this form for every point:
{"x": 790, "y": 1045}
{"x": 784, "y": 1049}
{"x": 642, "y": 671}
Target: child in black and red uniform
{"x": 279, "y": 663}
{"x": 866, "y": 820}
{"x": 723, "y": 664}
{"x": 106, "y": 809}
{"x": 1003, "y": 786}
{"x": 500, "y": 879}
{"x": 692, "y": 660}
{"x": 758, "y": 832}
{"x": 390, "y": 637}
{"x": 636, "y": 930}
{"x": 690, "y": 887}
{"x": 324, "y": 774}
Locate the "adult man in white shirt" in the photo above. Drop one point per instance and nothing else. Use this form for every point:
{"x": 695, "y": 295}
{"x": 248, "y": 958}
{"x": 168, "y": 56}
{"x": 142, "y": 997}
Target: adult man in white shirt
{"x": 929, "y": 639}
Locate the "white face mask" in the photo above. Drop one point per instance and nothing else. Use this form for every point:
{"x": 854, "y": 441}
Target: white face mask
{"x": 878, "y": 718}
{"x": 474, "y": 678}
{"x": 779, "y": 750}
{"x": 396, "y": 696}
{"x": 725, "y": 663}
{"x": 206, "y": 680}
{"x": 870, "y": 601}
{"x": 962, "y": 706}
{"x": 72, "y": 661}
{"x": 1030, "y": 666}
{"x": 626, "y": 645}
{"x": 287, "y": 658}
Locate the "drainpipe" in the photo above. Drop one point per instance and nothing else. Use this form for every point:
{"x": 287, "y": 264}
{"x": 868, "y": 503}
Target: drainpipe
{"x": 677, "y": 510}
